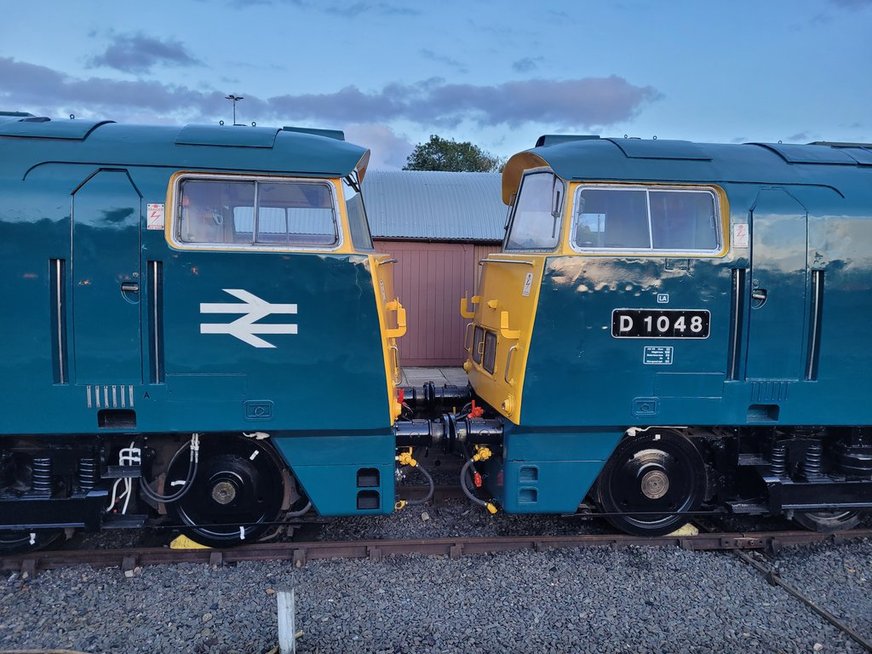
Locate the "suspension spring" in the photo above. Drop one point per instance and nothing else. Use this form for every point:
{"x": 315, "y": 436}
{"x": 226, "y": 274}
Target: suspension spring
{"x": 812, "y": 463}
{"x": 778, "y": 465}
{"x": 41, "y": 481}
{"x": 87, "y": 473}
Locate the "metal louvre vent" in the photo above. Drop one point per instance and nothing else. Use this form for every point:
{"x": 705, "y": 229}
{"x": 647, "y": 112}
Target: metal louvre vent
{"x": 114, "y": 396}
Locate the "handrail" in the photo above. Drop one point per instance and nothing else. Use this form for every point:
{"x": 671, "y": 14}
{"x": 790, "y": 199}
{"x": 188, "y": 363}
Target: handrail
{"x": 397, "y": 372}
{"x": 510, "y": 359}
{"x": 521, "y": 262}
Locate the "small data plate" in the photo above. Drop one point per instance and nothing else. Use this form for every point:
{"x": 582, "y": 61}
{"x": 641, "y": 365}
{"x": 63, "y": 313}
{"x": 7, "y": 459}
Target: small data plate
{"x": 657, "y": 355}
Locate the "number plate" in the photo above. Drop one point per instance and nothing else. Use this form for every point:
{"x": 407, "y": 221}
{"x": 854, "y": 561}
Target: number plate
{"x": 651, "y": 323}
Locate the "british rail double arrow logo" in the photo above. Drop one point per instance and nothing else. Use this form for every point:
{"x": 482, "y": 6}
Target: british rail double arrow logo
{"x": 246, "y": 326}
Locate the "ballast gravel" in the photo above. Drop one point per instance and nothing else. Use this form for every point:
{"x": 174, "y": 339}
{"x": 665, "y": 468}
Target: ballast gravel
{"x": 581, "y": 600}
{"x": 454, "y": 518}
{"x": 838, "y": 578}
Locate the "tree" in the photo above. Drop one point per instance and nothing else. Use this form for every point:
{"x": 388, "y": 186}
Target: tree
{"x": 445, "y": 154}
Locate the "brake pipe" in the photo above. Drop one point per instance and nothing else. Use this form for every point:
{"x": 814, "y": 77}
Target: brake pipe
{"x": 406, "y": 459}
{"x": 481, "y": 454}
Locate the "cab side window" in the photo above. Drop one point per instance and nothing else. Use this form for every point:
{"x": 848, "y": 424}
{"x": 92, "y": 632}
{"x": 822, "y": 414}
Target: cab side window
{"x": 258, "y": 213}
{"x": 535, "y": 221}
{"x": 612, "y": 219}
{"x": 684, "y": 220}
{"x": 205, "y": 209}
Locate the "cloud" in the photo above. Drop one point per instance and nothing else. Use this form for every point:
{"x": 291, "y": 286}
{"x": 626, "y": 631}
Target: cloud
{"x": 24, "y": 84}
{"x": 443, "y": 59}
{"x": 138, "y": 53}
{"x": 579, "y": 103}
{"x": 584, "y": 102}
{"x": 801, "y": 137}
{"x": 526, "y": 64}
{"x": 389, "y": 151}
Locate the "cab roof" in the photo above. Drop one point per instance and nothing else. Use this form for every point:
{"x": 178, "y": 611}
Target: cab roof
{"x": 27, "y": 140}
{"x": 591, "y": 158}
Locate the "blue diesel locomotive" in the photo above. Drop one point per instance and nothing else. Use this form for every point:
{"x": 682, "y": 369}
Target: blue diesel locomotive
{"x": 183, "y": 308}
{"x": 201, "y": 320}
{"x": 674, "y": 327}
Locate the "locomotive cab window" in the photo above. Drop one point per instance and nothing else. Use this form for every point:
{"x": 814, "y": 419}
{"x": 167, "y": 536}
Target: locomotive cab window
{"x": 535, "y": 221}
{"x": 256, "y": 213}
{"x": 357, "y": 222}
{"x": 684, "y": 220}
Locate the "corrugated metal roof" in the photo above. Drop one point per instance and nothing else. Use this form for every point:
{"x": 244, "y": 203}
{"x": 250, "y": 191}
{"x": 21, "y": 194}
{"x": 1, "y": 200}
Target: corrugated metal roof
{"x": 436, "y": 206}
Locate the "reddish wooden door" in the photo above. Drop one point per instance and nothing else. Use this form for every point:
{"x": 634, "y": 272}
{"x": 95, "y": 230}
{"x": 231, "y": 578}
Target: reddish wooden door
{"x": 430, "y": 279}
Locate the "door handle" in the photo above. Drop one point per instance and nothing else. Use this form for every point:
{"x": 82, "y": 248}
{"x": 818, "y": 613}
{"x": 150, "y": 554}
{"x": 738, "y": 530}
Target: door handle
{"x": 759, "y": 295}
{"x": 129, "y": 287}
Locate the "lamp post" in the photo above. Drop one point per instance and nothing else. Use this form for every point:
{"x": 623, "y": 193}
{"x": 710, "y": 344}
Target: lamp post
{"x": 234, "y": 99}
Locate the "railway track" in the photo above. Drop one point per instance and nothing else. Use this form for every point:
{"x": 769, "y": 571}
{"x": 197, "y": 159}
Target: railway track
{"x": 766, "y": 566}
{"x": 299, "y": 553}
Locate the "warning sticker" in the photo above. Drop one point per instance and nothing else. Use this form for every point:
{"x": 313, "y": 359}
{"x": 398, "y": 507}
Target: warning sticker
{"x": 741, "y": 236}
{"x": 155, "y": 213}
{"x": 528, "y": 283}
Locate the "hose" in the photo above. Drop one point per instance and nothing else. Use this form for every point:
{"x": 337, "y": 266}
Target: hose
{"x": 297, "y": 514}
{"x": 194, "y": 445}
{"x": 465, "y": 488}
{"x": 429, "y": 495}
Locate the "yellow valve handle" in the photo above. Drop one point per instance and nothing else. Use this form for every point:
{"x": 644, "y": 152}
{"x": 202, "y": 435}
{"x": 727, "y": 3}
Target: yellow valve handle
{"x": 483, "y": 454}
{"x": 400, "y": 330}
{"x": 400, "y": 505}
{"x": 491, "y": 508}
{"x": 464, "y": 308}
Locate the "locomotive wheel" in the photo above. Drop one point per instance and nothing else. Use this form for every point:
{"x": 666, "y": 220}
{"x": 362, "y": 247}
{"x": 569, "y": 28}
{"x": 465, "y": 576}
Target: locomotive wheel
{"x": 649, "y": 480}
{"x": 828, "y": 521}
{"x": 19, "y": 542}
{"x": 237, "y": 492}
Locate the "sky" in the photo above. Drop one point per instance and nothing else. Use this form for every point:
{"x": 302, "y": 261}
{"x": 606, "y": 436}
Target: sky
{"x": 498, "y": 73}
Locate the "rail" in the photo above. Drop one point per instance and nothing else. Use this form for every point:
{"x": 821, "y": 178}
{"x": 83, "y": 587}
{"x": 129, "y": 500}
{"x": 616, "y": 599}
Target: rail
{"x": 375, "y": 550}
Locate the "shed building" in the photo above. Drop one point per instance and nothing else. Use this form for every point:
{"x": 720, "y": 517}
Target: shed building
{"x": 438, "y": 226}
